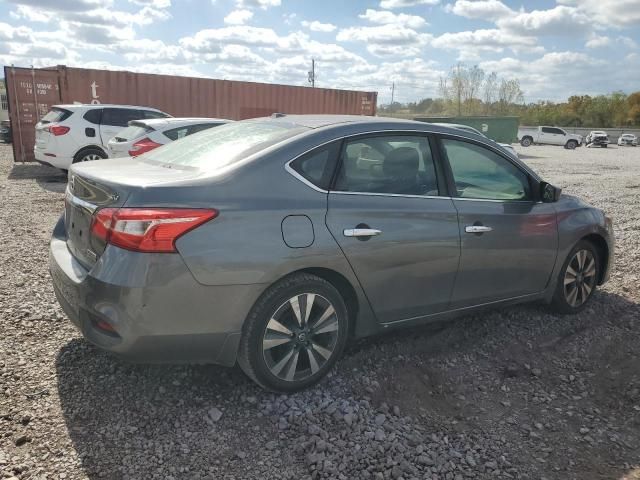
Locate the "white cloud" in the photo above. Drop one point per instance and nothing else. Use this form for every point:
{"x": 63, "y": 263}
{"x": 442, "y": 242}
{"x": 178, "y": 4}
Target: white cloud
{"x": 390, "y": 4}
{"x": 65, "y": 5}
{"x": 617, "y": 13}
{"x": 490, "y": 10}
{"x": 472, "y": 43}
{"x": 264, "y": 4}
{"x": 560, "y": 20}
{"x": 385, "y": 18}
{"x": 627, "y": 42}
{"x": 597, "y": 41}
{"x": 238, "y": 17}
{"x": 316, "y": 26}
{"x": 384, "y": 40}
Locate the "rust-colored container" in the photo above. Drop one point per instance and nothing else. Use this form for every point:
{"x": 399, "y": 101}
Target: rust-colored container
{"x": 32, "y": 92}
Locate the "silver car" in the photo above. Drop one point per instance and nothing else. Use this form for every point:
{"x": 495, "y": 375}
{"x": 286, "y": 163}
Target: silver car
{"x": 271, "y": 242}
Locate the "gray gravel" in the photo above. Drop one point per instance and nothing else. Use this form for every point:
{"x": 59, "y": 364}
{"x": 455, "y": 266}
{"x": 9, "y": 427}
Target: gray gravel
{"x": 517, "y": 393}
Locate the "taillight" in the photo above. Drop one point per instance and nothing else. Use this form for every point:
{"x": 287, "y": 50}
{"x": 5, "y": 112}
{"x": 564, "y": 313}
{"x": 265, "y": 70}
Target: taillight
{"x": 58, "y": 130}
{"x": 143, "y": 146}
{"x": 147, "y": 229}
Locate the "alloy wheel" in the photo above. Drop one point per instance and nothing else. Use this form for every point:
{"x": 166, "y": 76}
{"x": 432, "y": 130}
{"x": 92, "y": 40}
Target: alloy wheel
{"x": 580, "y": 278}
{"x": 300, "y": 337}
{"x": 91, "y": 157}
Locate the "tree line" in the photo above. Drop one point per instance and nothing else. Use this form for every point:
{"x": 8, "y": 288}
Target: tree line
{"x": 470, "y": 91}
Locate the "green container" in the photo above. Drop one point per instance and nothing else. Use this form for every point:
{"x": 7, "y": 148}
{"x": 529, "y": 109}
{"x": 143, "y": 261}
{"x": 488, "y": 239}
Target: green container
{"x": 500, "y": 129}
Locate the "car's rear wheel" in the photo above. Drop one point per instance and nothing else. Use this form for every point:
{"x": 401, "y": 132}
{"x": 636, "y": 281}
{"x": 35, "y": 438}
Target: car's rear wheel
{"x": 526, "y": 141}
{"x": 571, "y": 144}
{"x": 578, "y": 279}
{"x": 294, "y": 334}
{"x": 89, "y": 155}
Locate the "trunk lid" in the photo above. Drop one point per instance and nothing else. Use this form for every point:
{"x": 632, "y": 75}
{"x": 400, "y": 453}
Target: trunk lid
{"x": 96, "y": 185}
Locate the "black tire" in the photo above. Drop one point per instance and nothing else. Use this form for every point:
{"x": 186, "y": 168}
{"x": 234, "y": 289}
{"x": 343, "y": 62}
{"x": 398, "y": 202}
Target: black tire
{"x": 89, "y": 154}
{"x": 526, "y": 141}
{"x": 562, "y": 298}
{"x": 604, "y": 145}
{"x": 261, "y": 360}
{"x": 571, "y": 145}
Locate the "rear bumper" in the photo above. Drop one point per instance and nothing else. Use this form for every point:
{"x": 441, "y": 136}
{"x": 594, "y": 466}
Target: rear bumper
{"x": 159, "y": 313}
{"x": 63, "y": 163}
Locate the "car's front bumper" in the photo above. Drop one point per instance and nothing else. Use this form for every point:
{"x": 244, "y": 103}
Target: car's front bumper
{"x": 159, "y": 312}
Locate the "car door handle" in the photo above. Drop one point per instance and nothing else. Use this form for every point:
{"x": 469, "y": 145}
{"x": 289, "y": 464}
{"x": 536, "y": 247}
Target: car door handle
{"x": 477, "y": 229}
{"x": 361, "y": 232}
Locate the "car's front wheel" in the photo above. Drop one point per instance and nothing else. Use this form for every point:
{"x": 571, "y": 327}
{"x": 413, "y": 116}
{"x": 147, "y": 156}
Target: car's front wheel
{"x": 578, "y": 279}
{"x": 571, "y": 144}
{"x": 294, "y": 334}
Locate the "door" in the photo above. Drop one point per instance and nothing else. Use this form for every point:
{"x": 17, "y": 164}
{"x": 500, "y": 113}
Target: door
{"x": 399, "y": 235}
{"x": 551, "y": 136}
{"x": 116, "y": 119}
{"x": 509, "y": 239}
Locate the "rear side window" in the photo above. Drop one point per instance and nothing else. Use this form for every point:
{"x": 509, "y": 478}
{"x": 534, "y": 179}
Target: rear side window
{"x": 149, "y": 114}
{"x": 56, "y": 115}
{"x": 120, "y": 117}
{"x": 317, "y": 166}
{"x": 93, "y": 116}
{"x": 395, "y": 164}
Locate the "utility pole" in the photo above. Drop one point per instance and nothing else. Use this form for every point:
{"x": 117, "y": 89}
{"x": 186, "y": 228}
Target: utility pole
{"x": 312, "y": 73}
{"x": 393, "y": 91}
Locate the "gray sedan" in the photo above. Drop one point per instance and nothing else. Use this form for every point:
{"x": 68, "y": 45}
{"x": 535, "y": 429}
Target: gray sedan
{"x": 271, "y": 242}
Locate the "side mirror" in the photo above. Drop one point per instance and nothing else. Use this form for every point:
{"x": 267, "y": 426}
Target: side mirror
{"x": 549, "y": 193}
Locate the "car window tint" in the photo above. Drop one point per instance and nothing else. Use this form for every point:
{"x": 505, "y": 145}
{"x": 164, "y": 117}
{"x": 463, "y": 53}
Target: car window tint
{"x": 557, "y": 131}
{"x": 93, "y": 116}
{"x": 203, "y": 126}
{"x": 548, "y": 130}
{"x": 177, "y": 133}
{"x": 317, "y": 166}
{"x": 481, "y": 173}
{"x": 396, "y": 164}
{"x": 120, "y": 117}
{"x": 56, "y": 115}
{"x": 148, "y": 114}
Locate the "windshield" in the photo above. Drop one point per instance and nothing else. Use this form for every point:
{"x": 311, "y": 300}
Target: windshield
{"x": 219, "y": 147}
{"x": 56, "y": 115}
{"x": 132, "y": 132}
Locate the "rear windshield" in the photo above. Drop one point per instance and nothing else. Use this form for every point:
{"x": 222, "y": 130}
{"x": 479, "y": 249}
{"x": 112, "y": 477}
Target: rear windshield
{"x": 132, "y": 132}
{"x": 56, "y": 115}
{"x": 219, "y": 147}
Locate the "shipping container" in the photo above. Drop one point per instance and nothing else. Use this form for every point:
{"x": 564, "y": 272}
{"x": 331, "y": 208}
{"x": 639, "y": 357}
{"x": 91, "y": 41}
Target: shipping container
{"x": 32, "y": 92}
{"x": 499, "y": 129}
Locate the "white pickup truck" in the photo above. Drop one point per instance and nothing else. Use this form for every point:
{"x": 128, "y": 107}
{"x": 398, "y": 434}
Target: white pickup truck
{"x": 548, "y": 136}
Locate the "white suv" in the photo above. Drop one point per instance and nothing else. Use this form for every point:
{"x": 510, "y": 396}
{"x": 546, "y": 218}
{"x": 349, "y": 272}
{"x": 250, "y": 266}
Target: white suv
{"x": 79, "y": 133}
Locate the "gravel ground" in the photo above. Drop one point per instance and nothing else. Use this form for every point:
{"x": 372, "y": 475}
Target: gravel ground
{"x": 518, "y": 393}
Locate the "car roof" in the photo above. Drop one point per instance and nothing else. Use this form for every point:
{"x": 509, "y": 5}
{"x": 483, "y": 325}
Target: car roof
{"x": 320, "y": 121}
{"x": 87, "y": 106}
{"x": 158, "y": 123}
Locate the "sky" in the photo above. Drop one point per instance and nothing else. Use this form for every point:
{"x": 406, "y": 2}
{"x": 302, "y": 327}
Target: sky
{"x": 555, "y": 48}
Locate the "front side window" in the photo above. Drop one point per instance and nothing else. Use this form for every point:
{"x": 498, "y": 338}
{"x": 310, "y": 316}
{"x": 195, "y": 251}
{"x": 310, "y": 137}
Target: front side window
{"x": 548, "y": 130}
{"x": 395, "y": 164}
{"x": 483, "y": 174}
